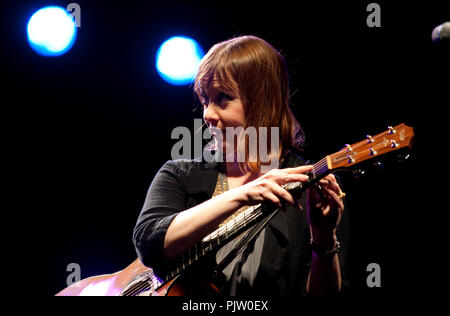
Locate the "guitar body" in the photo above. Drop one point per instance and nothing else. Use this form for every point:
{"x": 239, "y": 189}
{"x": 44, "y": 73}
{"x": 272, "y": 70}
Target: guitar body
{"x": 187, "y": 285}
{"x": 107, "y": 284}
{"x": 139, "y": 280}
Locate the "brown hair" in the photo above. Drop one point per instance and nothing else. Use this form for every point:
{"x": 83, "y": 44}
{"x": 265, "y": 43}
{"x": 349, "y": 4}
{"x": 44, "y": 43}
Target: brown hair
{"x": 250, "y": 65}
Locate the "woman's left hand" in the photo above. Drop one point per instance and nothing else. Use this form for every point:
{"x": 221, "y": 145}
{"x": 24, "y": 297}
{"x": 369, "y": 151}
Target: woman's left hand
{"x": 324, "y": 206}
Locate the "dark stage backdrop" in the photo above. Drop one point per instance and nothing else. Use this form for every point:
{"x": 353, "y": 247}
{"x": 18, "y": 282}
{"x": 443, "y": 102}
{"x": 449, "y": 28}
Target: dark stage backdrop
{"x": 86, "y": 132}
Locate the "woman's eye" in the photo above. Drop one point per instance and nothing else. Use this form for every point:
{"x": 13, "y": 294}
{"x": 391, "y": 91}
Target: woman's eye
{"x": 223, "y": 97}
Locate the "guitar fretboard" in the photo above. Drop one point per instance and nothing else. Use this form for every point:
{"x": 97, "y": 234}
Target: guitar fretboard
{"x": 239, "y": 224}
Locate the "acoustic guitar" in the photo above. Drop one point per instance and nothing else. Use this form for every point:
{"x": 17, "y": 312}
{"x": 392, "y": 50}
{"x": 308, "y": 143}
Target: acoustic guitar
{"x": 139, "y": 280}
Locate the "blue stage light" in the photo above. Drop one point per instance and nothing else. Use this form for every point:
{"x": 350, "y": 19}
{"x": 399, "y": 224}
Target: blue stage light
{"x": 51, "y": 31}
{"x": 177, "y": 60}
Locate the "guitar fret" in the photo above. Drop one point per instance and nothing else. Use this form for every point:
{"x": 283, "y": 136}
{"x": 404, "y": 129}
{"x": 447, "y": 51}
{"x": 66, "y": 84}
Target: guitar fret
{"x": 320, "y": 167}
{"x": 222, "y": 233}
{"x": 228, "y": 229}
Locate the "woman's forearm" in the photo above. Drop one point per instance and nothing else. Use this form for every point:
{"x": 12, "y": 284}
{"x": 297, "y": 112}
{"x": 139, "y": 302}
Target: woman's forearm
{"x": 324, "y": 275}
{"x": 195, "y": 223}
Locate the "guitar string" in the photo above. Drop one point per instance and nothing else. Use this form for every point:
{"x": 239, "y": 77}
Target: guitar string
{"x": 247, "y": 216}
{"x": 338, "y": 157}
{"x": 136, "y": 288}
{"x": 343, "y": 154}
{"x": 364, "y": 143}
{"x": 345, "y": 151}
{"x": 214, "y": 241}
{"x": 139, "y": 289}
{"x": 135, "y": 291}
{"x": 223, "y": 229}
{"x": 142, "y": 287}
{"x": 253, "y": 213}
{"x": 241, "y": 221}
{"x": 318, "y": 166}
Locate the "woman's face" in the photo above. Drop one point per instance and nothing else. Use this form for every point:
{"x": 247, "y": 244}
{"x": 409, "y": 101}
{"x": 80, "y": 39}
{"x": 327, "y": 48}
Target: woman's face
{"x": 221, "y": 110}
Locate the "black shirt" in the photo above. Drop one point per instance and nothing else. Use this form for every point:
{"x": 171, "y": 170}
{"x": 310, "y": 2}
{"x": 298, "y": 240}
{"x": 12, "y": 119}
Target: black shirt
{"x": 286, "y": 256}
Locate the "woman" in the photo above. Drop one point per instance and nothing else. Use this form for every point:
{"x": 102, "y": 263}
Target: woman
{"x": 243, "y": 83}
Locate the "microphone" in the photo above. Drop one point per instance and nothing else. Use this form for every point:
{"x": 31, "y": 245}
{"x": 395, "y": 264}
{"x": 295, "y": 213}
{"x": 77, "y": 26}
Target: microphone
{"x": 441, "y": 33}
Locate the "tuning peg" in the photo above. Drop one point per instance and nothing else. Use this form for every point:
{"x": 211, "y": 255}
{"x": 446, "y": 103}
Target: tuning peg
{"x": 349, "y": 148}
{"x": 394, "y": 144}
{"x": 391, "y": 130}
{"x": 350, "y": 159}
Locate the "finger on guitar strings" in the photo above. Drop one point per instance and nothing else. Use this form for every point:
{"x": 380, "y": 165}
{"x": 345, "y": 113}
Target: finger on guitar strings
{"x": 331, "y": 184}
{"x": 298, "y": 170}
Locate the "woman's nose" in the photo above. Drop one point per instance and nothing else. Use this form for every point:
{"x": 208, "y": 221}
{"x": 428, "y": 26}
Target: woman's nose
{"x": 210, "y": 114}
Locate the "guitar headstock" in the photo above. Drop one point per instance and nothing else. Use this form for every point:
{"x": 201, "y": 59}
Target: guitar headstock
{"x": 394, "y": 138}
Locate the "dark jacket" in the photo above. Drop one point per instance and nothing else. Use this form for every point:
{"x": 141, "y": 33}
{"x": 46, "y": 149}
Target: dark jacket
{"x": 286, "y": 255}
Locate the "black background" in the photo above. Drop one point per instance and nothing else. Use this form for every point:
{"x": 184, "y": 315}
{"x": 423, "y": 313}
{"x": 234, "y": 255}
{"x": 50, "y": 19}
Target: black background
{"x": 86, "y": 132}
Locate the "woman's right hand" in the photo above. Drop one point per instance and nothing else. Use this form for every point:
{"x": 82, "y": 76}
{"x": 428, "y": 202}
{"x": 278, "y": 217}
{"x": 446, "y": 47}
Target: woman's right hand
{"x": 268, "y": 187}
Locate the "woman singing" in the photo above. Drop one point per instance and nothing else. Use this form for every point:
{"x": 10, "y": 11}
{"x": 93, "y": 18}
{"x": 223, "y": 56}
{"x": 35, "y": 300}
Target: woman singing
{"x": 243, "y": 83}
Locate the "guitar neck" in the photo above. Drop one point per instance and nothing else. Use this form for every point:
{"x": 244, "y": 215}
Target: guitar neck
{"x": 243, "y": 221}
{"x": 392, "y": 139}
